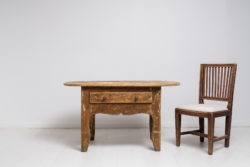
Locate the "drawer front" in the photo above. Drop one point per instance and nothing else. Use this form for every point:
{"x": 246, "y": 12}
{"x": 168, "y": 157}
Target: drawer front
{"x": 120, "y": 97}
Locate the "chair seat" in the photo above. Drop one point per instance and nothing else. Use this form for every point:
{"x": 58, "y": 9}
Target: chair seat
{"x": 204, "y": 107}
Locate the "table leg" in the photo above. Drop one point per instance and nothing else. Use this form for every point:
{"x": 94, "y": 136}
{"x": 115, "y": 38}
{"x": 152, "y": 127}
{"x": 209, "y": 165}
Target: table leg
{"x": 85, "y": 117}
{"x": 92, "y": 127}
{"x": 150, "y": 126}
{"x": 156, "y": 119}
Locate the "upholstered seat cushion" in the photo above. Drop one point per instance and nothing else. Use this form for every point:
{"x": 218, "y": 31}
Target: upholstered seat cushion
{"x": 204, "y": 107}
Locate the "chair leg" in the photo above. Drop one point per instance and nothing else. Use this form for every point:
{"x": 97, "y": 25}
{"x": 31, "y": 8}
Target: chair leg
{"x": 178, "y": 128}
{"x": 228, "y": 129}
{"x": 210, "y": 134}
{"x": 201, "y": 123}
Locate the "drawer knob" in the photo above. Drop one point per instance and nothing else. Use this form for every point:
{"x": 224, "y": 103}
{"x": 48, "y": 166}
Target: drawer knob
{"x": 136, "y": 98}
{"x": 104, "y": 98}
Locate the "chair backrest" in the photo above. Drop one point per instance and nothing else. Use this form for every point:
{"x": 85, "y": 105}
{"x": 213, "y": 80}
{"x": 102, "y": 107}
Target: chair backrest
{"x": 217, "y": 82}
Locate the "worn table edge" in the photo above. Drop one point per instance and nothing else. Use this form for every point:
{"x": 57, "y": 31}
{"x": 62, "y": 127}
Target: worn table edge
{"x": 78, "y": 83}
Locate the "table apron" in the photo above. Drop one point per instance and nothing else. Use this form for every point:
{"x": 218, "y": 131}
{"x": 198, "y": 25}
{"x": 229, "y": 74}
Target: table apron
{"x": 125, "y": 109}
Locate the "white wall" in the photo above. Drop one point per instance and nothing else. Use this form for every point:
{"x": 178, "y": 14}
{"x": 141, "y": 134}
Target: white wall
{"x": 45, "y": 43}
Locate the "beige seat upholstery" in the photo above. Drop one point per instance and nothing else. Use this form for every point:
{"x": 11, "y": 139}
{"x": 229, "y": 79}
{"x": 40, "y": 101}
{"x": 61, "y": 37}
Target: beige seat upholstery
{"x": 204, "y": 107}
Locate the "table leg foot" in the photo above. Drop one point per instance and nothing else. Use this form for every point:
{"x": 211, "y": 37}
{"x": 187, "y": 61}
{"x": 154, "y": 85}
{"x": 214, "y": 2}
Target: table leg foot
{"x": 84, "y": 148}
{"x": 157, "y": 141}
{"x": 157, "y": 149}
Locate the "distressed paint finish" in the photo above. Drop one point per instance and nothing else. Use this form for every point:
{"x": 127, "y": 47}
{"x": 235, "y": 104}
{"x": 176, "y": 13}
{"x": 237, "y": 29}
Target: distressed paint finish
{"x": 125, "y": 98}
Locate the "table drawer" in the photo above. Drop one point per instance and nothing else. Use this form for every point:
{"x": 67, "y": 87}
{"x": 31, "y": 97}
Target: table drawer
{"x": 120, "y": 97}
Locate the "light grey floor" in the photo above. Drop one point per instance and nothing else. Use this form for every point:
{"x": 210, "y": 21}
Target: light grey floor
{"x": 117, "y": 148}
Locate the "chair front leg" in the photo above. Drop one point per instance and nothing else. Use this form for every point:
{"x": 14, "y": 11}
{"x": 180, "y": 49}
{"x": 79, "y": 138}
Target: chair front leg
{"x": 201, "y": 123}
{"x": 178, "y": 128}
{"x": 228, "y": 129}
{"x": 210, "y": 134}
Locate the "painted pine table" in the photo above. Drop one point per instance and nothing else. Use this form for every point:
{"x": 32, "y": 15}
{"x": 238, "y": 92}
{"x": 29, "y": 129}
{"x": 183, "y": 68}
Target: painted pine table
{"x": 120, "y": 97}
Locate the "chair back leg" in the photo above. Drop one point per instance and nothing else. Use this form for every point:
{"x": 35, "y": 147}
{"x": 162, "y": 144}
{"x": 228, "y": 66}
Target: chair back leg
{"x": 228, "y": 129}
{"x": 201, "y": 123}
{"x": 178, "y": 128}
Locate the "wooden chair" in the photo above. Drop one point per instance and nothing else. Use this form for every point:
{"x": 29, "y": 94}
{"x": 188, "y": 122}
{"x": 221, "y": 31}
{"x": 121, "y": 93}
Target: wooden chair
{"x": 216, "y": 83}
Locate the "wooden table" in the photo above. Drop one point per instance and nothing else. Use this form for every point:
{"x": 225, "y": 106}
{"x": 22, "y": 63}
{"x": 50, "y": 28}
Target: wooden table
{"x": 120, "y": 97}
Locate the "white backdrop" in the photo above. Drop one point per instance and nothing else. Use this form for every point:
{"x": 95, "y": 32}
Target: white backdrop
{"x": 45, "y": 43}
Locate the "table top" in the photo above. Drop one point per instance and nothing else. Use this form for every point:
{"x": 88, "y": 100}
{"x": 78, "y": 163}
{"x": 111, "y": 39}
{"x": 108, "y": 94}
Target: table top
{"x": 122, "y": 83}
